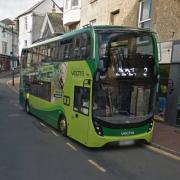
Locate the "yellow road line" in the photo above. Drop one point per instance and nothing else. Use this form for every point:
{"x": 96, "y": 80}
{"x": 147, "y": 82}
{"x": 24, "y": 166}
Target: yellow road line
{"x": 71, "y": 146}
{"x": 97, "y": 165}
{"x": 160, "y": 151}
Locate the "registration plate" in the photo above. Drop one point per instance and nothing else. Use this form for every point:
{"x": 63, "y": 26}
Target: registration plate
{"x": 126, "y": 143}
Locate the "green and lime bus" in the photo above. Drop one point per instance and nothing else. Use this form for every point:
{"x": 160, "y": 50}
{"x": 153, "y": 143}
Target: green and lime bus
{"x": 96, "y": 85}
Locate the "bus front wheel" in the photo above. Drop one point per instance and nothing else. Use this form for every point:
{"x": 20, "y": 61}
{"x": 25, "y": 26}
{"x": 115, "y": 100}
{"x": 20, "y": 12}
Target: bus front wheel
{"x": 63, "y": 125}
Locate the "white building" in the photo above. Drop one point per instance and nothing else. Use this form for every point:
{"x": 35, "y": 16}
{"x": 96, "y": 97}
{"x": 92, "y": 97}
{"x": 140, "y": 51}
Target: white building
{"x": 30, "y": 22}
{"x": 8, "y": 45}
{"x": 71, "y": 15}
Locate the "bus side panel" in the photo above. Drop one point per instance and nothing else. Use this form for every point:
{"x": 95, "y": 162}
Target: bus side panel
{"x": 78, "y": 72}
{"x": 45, "y": 110}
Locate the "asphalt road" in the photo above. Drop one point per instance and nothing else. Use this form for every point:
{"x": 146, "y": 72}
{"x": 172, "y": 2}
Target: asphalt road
{"x": 30, "y": 150}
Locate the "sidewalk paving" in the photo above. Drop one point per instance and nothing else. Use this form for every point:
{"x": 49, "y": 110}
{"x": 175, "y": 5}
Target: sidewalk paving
{"x": 16, "y": 84}
{"x": 165, "y": 137}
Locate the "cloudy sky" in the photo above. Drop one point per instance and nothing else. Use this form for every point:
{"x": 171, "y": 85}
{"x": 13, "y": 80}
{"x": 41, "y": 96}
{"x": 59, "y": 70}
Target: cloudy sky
{"x": 12, "y": 8}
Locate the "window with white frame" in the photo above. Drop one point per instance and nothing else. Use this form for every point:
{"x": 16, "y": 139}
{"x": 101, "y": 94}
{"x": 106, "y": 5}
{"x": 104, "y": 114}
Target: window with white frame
{"x": 145, "y": 14}
{"x": 74, "y": 3}
{"x": 4, "y": 47}
{"x": 25, "y": 23}
{"x": 3, "y": 33}
{"x": 25, "y": 43}
{"x": 67, "y": 4}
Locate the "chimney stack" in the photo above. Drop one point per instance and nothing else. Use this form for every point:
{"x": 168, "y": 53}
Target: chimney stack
{"x": 54, "y": 8}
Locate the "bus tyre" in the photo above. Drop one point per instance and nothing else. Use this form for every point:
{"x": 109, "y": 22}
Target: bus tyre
{"x": 63, "y": 126}
{"x": 27, "y": 109}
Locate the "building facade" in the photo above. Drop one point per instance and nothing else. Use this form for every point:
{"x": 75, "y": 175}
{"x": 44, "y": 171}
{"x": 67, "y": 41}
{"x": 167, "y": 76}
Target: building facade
{"x": 114, "y": 12}
{"x": 71, "y": 14}
{"x": 8, "y": 46}
{"x": 31, "y": 21}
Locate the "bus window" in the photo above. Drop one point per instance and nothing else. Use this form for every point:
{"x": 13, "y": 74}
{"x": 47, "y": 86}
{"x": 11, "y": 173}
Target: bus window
{"x": 84, "y": 52}
{"x": 52, "y": 51}
{"x": 43, "y": 54}
{"x": 82, "y": 46}
{"x": 29, "y": 59}
{"x": 76, "y": 48}
{"x": 66, "y": 50}
{"x": 81, "y": 100}
{"x": 35, "y": 53}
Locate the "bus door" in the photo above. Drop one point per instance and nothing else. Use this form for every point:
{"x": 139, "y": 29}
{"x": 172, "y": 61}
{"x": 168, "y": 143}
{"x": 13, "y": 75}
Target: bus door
{"x": 80, "y": 114}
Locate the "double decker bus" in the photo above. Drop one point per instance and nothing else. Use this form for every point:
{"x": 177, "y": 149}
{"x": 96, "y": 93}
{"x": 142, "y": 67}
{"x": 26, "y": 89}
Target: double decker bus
{"x": 96, "y": 85}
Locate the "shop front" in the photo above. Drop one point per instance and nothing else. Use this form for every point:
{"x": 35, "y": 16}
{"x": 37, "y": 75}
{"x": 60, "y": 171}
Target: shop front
{"x": 172, "y": 113}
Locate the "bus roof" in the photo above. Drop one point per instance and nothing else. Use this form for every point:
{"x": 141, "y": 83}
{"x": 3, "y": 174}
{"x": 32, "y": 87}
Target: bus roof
{"x": 89, "y": 27}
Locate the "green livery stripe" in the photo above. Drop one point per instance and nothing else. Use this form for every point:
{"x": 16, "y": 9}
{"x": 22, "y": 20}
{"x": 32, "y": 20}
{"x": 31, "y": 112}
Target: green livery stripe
{"x": 125, "y": 132}
{"x": 49, "y": 116}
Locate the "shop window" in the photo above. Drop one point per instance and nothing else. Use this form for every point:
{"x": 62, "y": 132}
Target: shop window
{"x": 163, "y": 87}
{"x": 82, "y": 100}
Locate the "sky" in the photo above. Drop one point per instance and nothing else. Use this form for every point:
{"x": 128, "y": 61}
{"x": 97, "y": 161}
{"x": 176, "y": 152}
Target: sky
{"x": 12, "y": 8}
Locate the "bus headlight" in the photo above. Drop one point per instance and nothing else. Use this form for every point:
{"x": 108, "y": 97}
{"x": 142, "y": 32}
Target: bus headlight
{"x": 150, "y": 126}
{"x": 98, "y": 128}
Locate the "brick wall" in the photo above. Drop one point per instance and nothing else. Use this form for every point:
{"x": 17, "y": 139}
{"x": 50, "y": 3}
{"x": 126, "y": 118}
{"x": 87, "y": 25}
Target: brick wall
{"x": 101, "y": 11}
{"x": 165, "y": 15}
{"x": 166, "y": 19}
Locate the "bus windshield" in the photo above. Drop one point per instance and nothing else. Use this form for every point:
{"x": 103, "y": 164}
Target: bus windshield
{"x": 122, "y": 102}
{"x": 126, "y": 54}
{"x": 124, "y": 88}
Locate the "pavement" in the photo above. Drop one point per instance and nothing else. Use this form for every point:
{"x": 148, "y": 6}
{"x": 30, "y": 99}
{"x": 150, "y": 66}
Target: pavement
{"x": 165, "y": 137}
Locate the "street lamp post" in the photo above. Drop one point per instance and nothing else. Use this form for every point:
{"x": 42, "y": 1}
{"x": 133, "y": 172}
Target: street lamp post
{"x": 12, "y": 58}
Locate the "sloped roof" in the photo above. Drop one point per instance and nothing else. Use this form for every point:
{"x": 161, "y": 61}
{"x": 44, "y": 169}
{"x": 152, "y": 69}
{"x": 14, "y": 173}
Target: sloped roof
{"x": 56, "y": 22}
{"x": 7, "y": 21}
{"x": 34, "y": 7}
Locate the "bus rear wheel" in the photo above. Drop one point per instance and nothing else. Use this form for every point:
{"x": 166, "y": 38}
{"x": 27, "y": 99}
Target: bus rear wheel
{"x": 63, "y": 126}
